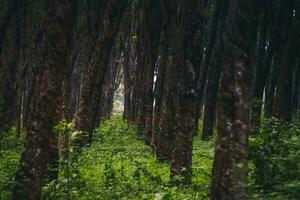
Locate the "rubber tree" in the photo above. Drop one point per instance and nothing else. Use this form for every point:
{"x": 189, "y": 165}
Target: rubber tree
{"x": 10, "y": 50}
{"x": 175, "y": 138}
{"x": 214, "y": 71}
{"x": 94, "y": 71}
{"x": 43, "y": 116}
{"x": 287, "y": 57}
{"x": 231, "y": 148}
{"x": 149, "y": 36}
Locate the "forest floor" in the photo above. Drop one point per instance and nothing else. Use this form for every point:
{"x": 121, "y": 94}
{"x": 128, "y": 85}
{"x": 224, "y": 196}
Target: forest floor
{"x": 117, "y": 165}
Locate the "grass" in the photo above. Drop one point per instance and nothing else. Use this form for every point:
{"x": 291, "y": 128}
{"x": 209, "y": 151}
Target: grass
{"x": 10, "y": 152}
{"x": 118, "y": 165}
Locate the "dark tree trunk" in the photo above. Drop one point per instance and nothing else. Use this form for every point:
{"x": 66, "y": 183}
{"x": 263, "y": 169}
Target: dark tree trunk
{"x": 231, "y": 154}
{"x": 5, "y": 22}
{"x": 110, "y": 83}
{"x": 138, "y": 78}
{"x": 212, "y": 87}
{"x": 261, "y": 71}
{"x": 283, "y": 95}
{"x": 9, "y": 67}
{"x": 158, "y": 139}
{"x": 44, "y": 116}
{"x": 209, "y": 41}
{"x": 270, "y": 88}
{"x": 287, "y": 57}
{"x": 62, "y": 149}
{"x": 130, "y": 67}
{"x": 128, "y": 73}
{"x": 296, "y": 92}
{"x": 150, "y": 42}
{"x": 94, "y": 71}
{"x": 127, "y": 80}
{"x": 177, "y": 117}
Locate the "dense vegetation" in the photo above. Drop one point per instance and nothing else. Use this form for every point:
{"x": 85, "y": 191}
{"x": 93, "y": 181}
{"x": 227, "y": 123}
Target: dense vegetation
{"x": 149, "y": 99}
{"x": 118, "y": 165}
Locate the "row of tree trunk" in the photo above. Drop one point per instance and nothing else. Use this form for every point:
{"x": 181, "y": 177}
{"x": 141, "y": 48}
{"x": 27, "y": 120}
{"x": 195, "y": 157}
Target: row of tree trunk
{"x": 234, "y": 65}
{"x": 227, "y": 62}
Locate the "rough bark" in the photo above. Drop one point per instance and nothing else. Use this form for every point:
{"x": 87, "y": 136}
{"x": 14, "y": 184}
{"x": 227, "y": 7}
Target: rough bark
{"x": 94, "y": 71}
{"x": 130, "y": 66}
{"x": 287, "y": 57}
{"x": 5, "y": 22}
{"x": 210, "y": 32}
{"x": 177, "y": 116}
{"x": 261, "y": 70}
{"x": 111, "y": 83}
{"x": 213, "y": 79}
{"x": 231, "y": 154}
{"x": 44, "y": 116}
{"x": 9, "y": 66}
{"x": 138, "y": 76}
{"x": 157, "y": 139}
{"x": 128, "y": 74}
{"x": 296, "y": 92}
{"x": 270, "y": 88}
{"x": 150, "y": 42}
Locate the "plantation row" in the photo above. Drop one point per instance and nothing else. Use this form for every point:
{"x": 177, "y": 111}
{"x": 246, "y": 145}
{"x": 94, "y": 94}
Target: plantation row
{"x": 164, "y": 65}
{"x": 118, "y": 165}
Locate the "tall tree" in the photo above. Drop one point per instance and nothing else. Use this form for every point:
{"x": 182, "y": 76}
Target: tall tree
{"x": 231, "y": 154}
{"x": 158, "y": 93}
{"x": 150, "y": 33}
{"x": 44, "y": 115}
{"x": 182, "y": 22}
{"x": 287, "y": 56}
{"x": 296, "y": 91}
{"x": 93, "y": 76}
{"x": 129, "y": 57}
{"x": 9, "y": 62}
{"x": 214, "y": 72}
{"x": 261, "y": 70}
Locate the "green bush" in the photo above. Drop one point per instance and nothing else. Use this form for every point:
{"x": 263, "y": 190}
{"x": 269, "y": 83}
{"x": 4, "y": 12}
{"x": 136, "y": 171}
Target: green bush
{"x": 10, "y": 152}
{"x": 118, "y": 165}
{"x": 275, "y": 159}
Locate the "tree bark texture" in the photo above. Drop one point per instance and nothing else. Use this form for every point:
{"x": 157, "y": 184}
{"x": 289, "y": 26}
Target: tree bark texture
{"x": 231, "y": 150}
{"x": 289, "y": 44}
{"x": 214, "y": 72}
{"x": 94, "y": 72}
{"x": 44, "y": 116}
{"x": 177, "y": 115}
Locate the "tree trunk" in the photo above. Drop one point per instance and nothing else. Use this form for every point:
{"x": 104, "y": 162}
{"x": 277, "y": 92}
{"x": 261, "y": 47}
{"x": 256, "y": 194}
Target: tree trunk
{"x": 94, "y": 71}
{"x": 130, "y": 66}
{"x": 261, "y": 72}
{"x": 270, "y": 88}
{"x": 150, "y": 43}
{"x": 289, "y": 44}
{"x": 44, "y": 116}
{"x": 157, "y": 139}
{"x": 231, "y": 154}
{"x": 9, "y": 70}
{"x": 212, "y": 87}
{"x": 296, "y": 92}
{"x": 178, "y": 115}
{"x": 109, "y": 87}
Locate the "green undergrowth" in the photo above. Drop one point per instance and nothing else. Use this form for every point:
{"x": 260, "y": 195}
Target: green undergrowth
{"x": 275, "y": 161}
{"x": 118, "y": 165}
{"x": 10, "y": 152}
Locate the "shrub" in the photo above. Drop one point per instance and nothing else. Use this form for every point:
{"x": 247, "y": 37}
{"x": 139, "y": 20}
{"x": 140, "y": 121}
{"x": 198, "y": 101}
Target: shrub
{"x": 275, "y": 158}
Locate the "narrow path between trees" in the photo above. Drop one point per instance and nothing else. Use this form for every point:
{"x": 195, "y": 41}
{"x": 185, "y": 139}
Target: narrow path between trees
{"x": 118, "y": 165}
